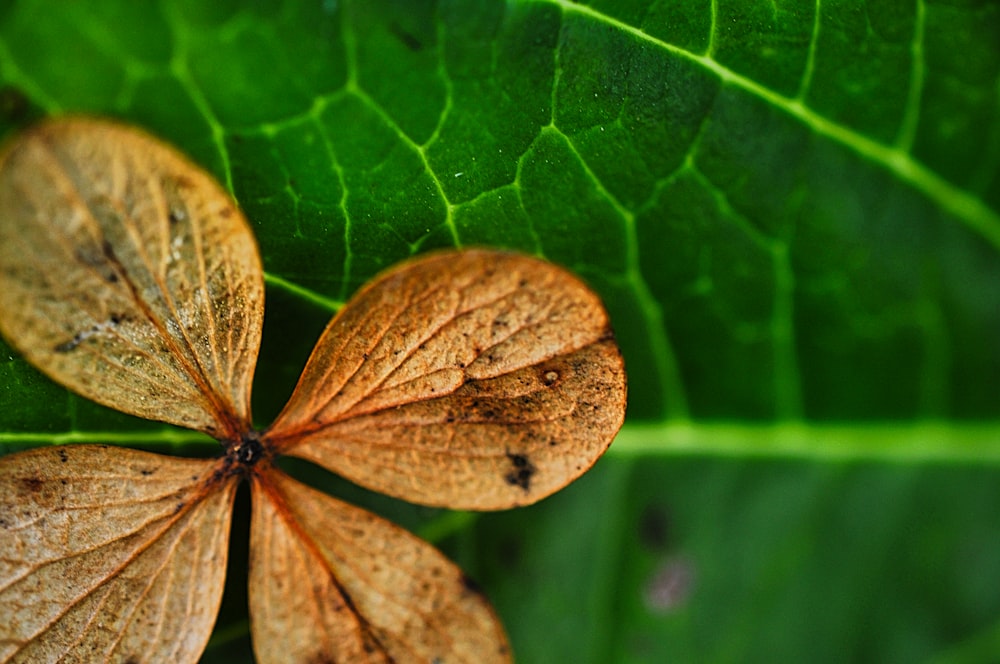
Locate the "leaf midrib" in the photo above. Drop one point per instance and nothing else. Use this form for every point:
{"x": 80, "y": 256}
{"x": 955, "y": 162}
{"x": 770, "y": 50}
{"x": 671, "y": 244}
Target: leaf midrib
{"x": 919, "y": 441}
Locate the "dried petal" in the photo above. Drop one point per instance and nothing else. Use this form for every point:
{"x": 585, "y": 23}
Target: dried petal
{"x": 109, "y": 554}
{"x": 128, "y": 275}
{"x": 333, "y": 583}
{"x": 473, "y": 379}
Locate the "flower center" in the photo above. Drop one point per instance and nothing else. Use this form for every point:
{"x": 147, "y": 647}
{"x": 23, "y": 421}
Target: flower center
{"x": 246, "y": 452}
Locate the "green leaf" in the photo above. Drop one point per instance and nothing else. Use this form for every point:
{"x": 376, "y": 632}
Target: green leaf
{"x": 709, "y": 560}
{"x": 791, "y": 210}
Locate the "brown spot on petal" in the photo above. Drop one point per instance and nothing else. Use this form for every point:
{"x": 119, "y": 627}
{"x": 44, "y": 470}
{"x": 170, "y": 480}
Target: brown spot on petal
{"x": 521, "y": 472}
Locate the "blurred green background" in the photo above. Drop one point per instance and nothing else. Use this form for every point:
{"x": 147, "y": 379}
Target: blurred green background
{"x": 791, "y": 211}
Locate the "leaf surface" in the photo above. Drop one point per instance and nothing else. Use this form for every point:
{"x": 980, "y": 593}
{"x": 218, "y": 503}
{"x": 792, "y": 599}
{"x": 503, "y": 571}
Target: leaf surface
{"x": 128, "y": 275}
{"x": 476, "y": 379}
{"x": 109, "y": 554}
{"x": 790, "y": 210}
{"x": 330, "y": 582}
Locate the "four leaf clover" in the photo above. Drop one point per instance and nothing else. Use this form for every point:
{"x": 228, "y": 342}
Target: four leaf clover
{"x": 472, "y": 379}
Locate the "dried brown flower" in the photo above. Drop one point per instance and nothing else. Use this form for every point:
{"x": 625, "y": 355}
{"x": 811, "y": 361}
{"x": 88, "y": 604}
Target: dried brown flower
{"x": 467, "y": 379}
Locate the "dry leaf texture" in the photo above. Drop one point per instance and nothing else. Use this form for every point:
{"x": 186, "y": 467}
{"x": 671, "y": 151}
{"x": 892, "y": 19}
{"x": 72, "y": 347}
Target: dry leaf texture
{"x": 110, "y": 555}
{"x": 333, "y": 583}
{"x": 128, "y": 274}
{"x": 474, "y": 379}
{"x": 469, "y": 379}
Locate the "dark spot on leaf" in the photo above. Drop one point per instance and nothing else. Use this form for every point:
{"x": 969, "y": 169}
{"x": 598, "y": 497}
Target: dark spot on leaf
{"x": 146, "y": 472}
{"x": 174, "y": 215}
{"x": 522, "y": 283}
{"x": 132, "y": 660}
{"x": 14, "y": 104}
{"x": 510, "y": 552}
{"x": 408, "y": 40}
{"x": 470, "y": 585}
{"x": 654, "y": 528}
{"x": 67, "y": 346}
{"x": 32, "y": 483}
{"x": 116, "y": 319}
{"x": 226, "y": 469}
{"x": 89, "y": 257}
{"x": 549, "y": 376}
{"x": 519, "y": 461}
{"x": 321, "y": 658}
{"x": 521, "y": 471}
{"x": 226, "y": 212}
{"x": 63, "y": 456}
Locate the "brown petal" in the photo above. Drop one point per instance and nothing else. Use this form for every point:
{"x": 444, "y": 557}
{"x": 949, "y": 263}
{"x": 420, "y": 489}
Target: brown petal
{"x": 109, "y": 554}
{"x": 333, "y": 583}
{"x": 473, "y": 379}
{"x": 128, "y": 275}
